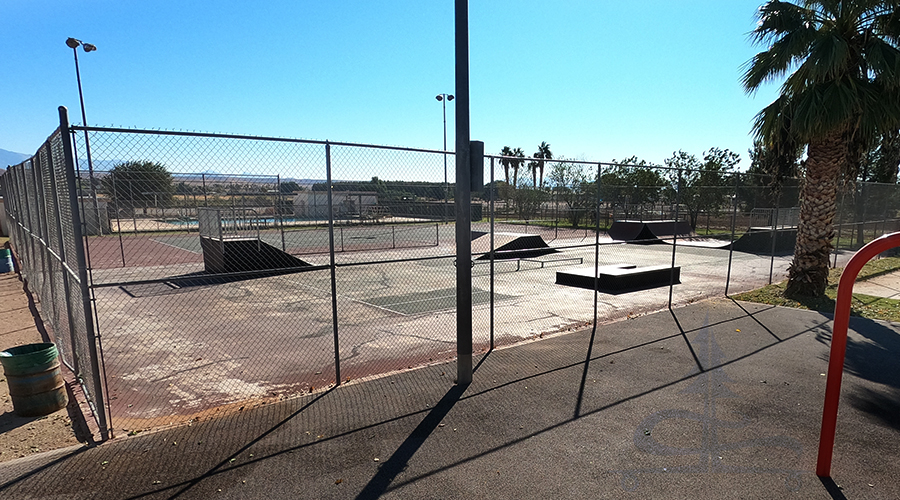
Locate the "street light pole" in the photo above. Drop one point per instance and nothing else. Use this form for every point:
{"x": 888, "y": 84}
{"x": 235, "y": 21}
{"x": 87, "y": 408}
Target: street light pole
{"x": 443, "y": 98}
{"x": 73, "y": 44}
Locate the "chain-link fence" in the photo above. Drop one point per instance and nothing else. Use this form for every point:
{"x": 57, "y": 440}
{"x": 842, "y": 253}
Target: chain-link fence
{"x": 221, "y": 271}
{"x": 45, "y": 212}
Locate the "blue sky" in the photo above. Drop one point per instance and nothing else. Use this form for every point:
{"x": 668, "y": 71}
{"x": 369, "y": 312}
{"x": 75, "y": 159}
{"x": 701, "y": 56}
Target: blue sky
{"x": 598, "y": 80}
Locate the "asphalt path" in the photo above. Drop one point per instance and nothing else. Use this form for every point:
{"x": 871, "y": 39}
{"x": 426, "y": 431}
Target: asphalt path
{"x": 717, "y": 399}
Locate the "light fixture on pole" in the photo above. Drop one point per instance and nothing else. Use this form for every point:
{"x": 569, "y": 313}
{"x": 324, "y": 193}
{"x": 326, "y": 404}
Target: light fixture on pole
{"x": 74, "y": 43}
{"x": 443, "y": 98}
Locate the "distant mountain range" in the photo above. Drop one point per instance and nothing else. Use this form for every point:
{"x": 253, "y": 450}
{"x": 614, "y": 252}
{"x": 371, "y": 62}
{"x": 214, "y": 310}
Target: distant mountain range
{"x": 10, "y": 158}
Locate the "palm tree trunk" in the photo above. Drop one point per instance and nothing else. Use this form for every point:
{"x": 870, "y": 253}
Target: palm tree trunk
{"x": 808, "y": 272}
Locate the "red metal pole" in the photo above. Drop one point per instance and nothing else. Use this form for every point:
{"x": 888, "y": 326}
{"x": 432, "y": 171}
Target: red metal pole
{"x": 839, "y": 345}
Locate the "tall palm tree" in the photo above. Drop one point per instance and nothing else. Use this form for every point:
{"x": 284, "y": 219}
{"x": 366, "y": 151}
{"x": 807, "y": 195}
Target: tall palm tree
{"x": 506, "y": 152}
{"x": 517, "y": 164}
{"x": 845, "y": 59}
{"x": 533, "y": 166}
{"x": 544, "y": 153}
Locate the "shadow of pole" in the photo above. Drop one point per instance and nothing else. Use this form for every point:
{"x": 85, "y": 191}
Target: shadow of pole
{"x": 832, "y": 488}
{"x": 212, "y": 471}
{"x": 590, "y": 349}
{"x": 687, "y": 342}
{"x": 754, "y": 318}
{"x": 379, "y": 484}
{"x": 42, "y": 468}
{"x": 587, "y": 365}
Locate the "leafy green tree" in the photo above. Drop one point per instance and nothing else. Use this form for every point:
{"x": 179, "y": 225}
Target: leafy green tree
{"x": 633, "y": 181}
{"x": 135, "y": 184}
{"x": 879, "y": 158}
{"x": 845, "y": 84}
{"x": 183, "y": 188}
{"x": 886, "y": 158}
{"x": 872, "y": 161}
{"x": 572, "y": 184}
{"x": 771, "y": 179}
{"x": 528, "y": 200}
{"x": 289, "y": 187}
{"x": 704, "y": 186}
{"x": 496, "y": 190}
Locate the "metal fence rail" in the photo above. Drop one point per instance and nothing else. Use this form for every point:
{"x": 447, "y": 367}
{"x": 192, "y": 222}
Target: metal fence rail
{"x": 222, "y": 270}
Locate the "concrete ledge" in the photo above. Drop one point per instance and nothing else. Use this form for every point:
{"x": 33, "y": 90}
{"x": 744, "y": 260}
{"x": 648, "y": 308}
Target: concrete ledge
{"x": 619, "y": 278}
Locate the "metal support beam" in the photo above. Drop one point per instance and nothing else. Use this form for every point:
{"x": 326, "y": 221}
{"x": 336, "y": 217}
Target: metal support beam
{"x": 463, "y": 201}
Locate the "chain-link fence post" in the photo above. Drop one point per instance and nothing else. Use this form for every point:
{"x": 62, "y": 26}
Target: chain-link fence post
{"x": 599, "y": 201}
{"x": 675, "y": 238}
{"x": 734, "y": 206}
{"x": 333, "y": 268}
{"x": 774, "y": 231}
{"x": 81, "y": 262}
{"x": 492, "y": 194}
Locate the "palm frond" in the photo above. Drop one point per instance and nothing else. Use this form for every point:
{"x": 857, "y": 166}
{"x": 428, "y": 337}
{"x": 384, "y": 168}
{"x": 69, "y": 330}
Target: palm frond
{"x": 883, "y": 59}
{"x": 773, "y": 121}
{"x": 777, "y": 18}
{"x": 784, "y": 54}
{"x": 829, "y": 58}
{"x": 886, "y": 23}
{"x": 825, "y": 107}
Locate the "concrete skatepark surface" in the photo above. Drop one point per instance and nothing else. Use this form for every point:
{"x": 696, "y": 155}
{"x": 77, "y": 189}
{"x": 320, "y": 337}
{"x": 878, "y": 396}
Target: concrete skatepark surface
{"x": 718, "y": 399}
{"x": 179, "y": 354}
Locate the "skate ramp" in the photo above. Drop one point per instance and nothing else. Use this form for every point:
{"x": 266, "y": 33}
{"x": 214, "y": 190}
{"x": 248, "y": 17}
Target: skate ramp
{"x": 648, "y": 231}
{"x": 511, "y": 246}
{"x": 234, "y": 255}
{"x": 757, "y": 241}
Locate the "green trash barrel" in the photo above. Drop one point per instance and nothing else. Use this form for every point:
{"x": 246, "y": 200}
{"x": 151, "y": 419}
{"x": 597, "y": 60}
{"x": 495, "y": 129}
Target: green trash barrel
{"x": 34, "y": 378}
{"x": 6, "y": 263}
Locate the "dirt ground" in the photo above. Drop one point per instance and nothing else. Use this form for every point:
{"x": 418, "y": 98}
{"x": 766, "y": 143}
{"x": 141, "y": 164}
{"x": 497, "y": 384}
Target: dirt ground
{"x": 21, "y": 436}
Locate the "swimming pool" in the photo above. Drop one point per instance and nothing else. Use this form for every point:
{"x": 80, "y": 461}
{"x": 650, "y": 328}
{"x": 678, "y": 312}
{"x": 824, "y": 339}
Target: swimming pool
{"x": 263, "y": 221}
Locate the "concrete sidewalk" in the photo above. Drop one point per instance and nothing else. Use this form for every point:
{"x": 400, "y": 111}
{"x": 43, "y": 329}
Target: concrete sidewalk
{"x": 886, "y": 285}
{"x": 720, "y": 399}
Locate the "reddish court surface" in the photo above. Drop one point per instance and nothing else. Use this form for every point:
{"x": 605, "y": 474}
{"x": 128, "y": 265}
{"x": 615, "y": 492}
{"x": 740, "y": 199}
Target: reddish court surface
{"x": 109, "y": 252}
{"x": 839, "y": 346}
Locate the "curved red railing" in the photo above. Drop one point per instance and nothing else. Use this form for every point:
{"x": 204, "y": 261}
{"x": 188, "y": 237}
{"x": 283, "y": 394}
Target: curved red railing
{"x": 839, "y": 345}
